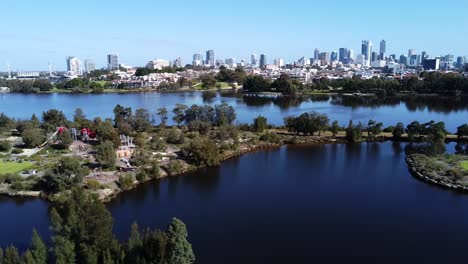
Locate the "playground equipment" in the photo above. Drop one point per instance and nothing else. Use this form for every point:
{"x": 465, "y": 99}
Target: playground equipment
{"x": 127, "y": 141}
{"x": 87, "y": 134}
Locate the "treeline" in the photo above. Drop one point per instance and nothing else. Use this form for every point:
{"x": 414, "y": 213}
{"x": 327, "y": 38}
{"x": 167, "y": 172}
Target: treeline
{"x": 82, "y": 233}
{"x": 145, "y": 71}
{"x": 434, "y": 82}
{"x": 27, "y": 86}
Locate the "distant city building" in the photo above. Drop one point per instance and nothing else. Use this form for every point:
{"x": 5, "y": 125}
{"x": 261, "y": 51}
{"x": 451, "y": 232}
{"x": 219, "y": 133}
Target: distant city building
{"x": 74, "y": 67}
{"x": 279, "y": 62}
{"x": 89, "y": 65}
{"x": 383, "y": 49}
{"x": 197, "y": 59}
{"x": 431, "y": 64}
{"x": 333, "y": 56}
{"x": 263, "y": 61}
{"x": 374, "y": 56}
{"x": 210, "y": 57}
{"x": 423, "y": 56}
{"x": 403, "y": 59}
{"x": 343, "y": 55}
{"x": 231, "y": 62}
{"x": 460, "y": 62}
{"x": 157, "y": 64}
{"x": 350, "y": 55}
{"x": 324, "y": 58}
{"x": 366, "y": 51}
{"x": 413, "y": 60}
{"x": 253, "y": 60}
{"x": 27, "y": 75}
{"x": 316, "y": 54}
{"x": 411, "y": 52}
{"x": 447, "y": 63}
{"x": 112, "y": 62}
{"x": 178, "y": 63}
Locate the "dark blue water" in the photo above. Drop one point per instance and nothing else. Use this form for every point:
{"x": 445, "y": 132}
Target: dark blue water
{"x": 453, "y": 112}
{"x": 297, "y": 204}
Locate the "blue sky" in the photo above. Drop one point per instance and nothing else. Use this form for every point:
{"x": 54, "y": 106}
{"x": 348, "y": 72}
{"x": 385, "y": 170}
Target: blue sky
{"x": 35, "y": 32}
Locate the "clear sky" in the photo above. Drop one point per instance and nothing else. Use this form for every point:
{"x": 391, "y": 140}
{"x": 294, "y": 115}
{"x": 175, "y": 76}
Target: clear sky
{"x": 35, "y": 32}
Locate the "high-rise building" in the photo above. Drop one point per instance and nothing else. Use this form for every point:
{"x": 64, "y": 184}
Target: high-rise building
{"x": 343, "y": 55}
{"x": 178, "y": 63}
{"x": 74, "y": 67}
{"x": 197, "y": 59}
{"x": 366, "y": 51}
{"x": 383, "y": 48}
{"x": 403, "y": 59}
{"x": 210, "y": 58}
{"x": 231, "y": 62}
{"x": 158, "y": 64}
{"x": 423, "y": 57}
{"x": 253, "y": 60}
{"x": 374, "y": 56}
{"x": 350, "y": 55}
{"x": 263, "y": 61}
{"x": 316, "y": 54}
{"x": 333, "y": 56}
{"x": 411, "y": 52}
{"x": 431, "y": 64}
{"x": 112, "y": 62}
{"x": 324, "y": 58}
{"x": 279, "y": 62}
{"x": 89, "y": 65}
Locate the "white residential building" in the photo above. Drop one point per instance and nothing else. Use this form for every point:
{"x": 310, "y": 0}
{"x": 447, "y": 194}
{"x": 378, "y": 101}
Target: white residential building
{"x": 157, "y": 64}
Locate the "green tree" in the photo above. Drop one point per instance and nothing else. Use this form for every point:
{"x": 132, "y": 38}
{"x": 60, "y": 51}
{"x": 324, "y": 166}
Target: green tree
{"x": 335, "y": 128}
{"x": 5, "y": 146}
{"x": 398, "y": 131}
{"x": 202, "y": 151}
{"x": 179, "y": 113}
{"x": 208, "y": 80}
{"x": 179, "y": 249}
{"x": 33, "y": 137}
{"x": 106, "y": 155}
{"x": 65, "y": 140}
{"x": 67, "y": 173}
{"x": 260, "y": 123}
{"x": 64, "y": 250}
{"x": 162, "y": 113}
{"x": 11, "y": 256}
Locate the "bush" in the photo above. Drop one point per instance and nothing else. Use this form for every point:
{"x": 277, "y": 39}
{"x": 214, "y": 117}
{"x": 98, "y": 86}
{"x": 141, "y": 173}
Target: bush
{"x": 175, "y": 136}
{"x": 126, "y": 181}
{"x": 174, "y": 167}
{"x": 157, "y": 143}
{"x": 5, "y": 146}
{"x": 33, "y": 137}
{"x": 141, "y": 175}
{"x": 271, "y": 138}
{"x": 17, "y": 151}
{"x": 93, "y": 184}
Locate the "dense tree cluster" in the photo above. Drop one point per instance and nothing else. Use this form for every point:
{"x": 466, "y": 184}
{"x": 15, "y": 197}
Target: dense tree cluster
{"x": 230, "y": 76}
{"x": 146, "y": 71}
{"x": 221, "y": 114}
{"x": 307, "y": 123}
{"x": 82, "y": 234}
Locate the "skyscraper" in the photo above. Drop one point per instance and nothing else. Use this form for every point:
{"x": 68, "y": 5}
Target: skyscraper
{"x": 89, "y": 65}
{"x": 383, "y": 49}
{"x": 74, "y": 66}
{"x": 366, "y": 51}
{"x": 263, "y": 61}
{"x": 197, "y": 59}
{"x": 333, "y": 56}
{"x": 343, "y": 55}
{"x": 253, "y": 59}
{"x": 112, "y": 62}
{"x": 210, "y": 59}
{"x": 316, "y": 54}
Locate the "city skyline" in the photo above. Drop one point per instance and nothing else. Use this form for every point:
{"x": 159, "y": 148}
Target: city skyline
{"x": 148, "y": 31}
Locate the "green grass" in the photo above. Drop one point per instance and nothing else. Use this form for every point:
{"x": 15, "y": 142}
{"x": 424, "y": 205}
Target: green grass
{"x": 14, "y": 167}
{"x": 464, "y": 164}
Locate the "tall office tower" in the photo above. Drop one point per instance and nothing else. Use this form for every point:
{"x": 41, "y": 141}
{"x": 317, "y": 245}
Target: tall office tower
{"x": 263, "y": 61}
{"x": 253, "y": 59}
{"x": 423, "y": 57}
{"x": 178, "y": 63}
{"x": 112, "y": 62}
{"x": 89, "y": 65}
{"x": 197, "y": 59}
{"x": 411, "y": 52}
{"x": 210, "y": 58}
{"x": 74, "y": 66}
{"x": 316, "y": 54}
{"x": 403, "y": 59}
{"x": 333, "y": 56}
{"x": 460, "y": 62}
{"x": 343, "y": 55}
{"x": 383, "y": 49}
{"x": 324, "y": 58}
{"x": 366, "y": 51}
{"x": 374, "y": 56}
{"x": 279, "y": 62}
{"x": 350, "y": 55}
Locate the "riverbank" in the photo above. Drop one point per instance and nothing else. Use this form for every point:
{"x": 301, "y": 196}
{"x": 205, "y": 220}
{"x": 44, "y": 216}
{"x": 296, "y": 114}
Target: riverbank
{"x": 447, "y": 171}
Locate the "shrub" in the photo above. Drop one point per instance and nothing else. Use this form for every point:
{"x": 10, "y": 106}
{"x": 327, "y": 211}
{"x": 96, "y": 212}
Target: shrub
{"x": 175, "y": 136}
{"x": 5, "y": 146}
{"x": 271, "y": 138}
{"x": 141, "y": 175}
{"x": 93, "y": 184}
{"x": 17, "y": 151}
{"x": 174, "y": 167}
{"x": 126, "y": 181}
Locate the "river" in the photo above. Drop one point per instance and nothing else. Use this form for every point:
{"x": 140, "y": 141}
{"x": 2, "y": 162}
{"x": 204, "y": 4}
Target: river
{"x": 387, "y": 110}
{"x": 296, "y": 204}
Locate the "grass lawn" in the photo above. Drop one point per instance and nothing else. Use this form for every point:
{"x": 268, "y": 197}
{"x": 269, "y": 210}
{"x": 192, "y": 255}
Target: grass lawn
{"x": 14, "y": 167}
{"x": 464, "y": 164}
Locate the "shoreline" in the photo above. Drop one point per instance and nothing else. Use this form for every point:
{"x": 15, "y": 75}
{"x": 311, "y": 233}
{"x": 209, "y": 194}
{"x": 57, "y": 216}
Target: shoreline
{"x": 439, "y": 182}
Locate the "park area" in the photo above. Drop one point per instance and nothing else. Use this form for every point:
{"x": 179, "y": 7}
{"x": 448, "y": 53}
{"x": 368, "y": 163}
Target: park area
{"x": 14, "y": 167}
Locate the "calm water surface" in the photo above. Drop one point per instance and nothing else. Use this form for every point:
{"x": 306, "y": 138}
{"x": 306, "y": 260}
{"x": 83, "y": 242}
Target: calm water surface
{"x": 308, "y": 204}
{"x": 387, "y": 110}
